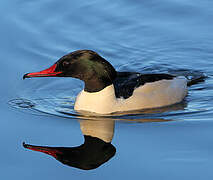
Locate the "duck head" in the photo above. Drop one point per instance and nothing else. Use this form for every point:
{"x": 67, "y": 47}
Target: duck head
{"x": 86, "y": 65}
{"x": 90, "y": 155}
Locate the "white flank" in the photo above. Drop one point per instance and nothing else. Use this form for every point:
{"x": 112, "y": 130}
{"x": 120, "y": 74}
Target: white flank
{"x": 151, "y": 95}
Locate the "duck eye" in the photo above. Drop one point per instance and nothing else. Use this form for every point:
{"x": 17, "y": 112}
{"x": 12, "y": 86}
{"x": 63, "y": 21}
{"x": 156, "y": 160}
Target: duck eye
{"x": 65, "y": 63}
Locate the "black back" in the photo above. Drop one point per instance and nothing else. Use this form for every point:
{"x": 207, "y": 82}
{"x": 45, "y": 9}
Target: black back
{"x": 126, "y": 82}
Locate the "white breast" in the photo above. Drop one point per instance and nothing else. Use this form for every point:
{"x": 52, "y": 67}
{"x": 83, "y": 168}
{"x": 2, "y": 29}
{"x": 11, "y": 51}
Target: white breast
{"x": 151, "y": 95}
{"x": 101, "y": 102}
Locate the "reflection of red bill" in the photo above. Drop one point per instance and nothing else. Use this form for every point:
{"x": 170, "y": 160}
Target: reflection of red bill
{"x": 47, "y": 150}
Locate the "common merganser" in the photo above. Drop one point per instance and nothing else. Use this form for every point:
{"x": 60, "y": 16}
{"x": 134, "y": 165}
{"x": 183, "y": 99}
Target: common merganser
{"x": 107, "y": 91}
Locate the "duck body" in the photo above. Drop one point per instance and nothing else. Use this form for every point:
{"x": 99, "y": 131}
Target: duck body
{"x": 150, "y": 95}
{"x": 107, "y": 91}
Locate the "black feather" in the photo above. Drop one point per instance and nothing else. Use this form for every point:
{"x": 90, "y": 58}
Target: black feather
{"x": 126, "y": 82}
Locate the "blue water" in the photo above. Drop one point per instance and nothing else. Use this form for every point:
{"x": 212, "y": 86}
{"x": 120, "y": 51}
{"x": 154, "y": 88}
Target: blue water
{"x": 143, "y": 36}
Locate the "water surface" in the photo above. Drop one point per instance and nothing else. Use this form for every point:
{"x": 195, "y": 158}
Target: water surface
{"x": 165, "y": 36}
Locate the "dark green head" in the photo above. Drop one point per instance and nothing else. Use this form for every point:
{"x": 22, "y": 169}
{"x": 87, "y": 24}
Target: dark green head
{"x": 87, "y": 65}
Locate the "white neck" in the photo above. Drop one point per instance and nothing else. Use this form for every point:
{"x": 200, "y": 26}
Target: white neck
{"x": 98, "y": 102}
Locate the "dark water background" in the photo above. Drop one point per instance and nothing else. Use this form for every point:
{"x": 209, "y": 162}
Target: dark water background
{"x": 143, "y": 36}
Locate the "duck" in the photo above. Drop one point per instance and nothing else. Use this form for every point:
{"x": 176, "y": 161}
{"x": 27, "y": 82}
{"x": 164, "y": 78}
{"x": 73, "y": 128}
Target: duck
{"x": 108, "y": 91}
{"x": 96, "y": 150}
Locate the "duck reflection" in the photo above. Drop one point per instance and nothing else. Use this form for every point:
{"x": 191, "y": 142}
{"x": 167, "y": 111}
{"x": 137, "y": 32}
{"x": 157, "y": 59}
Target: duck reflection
{"x": 96, "y": 149}
{"x": 98, "y": 133}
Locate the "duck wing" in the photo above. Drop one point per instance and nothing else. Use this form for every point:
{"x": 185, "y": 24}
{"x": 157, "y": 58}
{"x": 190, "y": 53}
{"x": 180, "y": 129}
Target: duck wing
{"x": 126, "y": 82}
